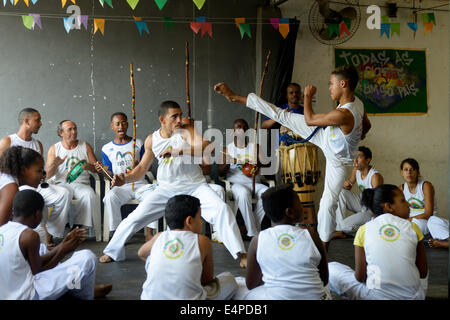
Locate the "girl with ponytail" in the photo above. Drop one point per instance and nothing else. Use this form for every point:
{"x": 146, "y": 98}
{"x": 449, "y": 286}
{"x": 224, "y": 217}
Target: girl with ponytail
{"x": 18, "y": 166}
{"x": 390, "y": 260}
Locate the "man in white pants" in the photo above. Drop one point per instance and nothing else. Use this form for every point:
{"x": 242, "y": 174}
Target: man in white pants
{"x": 346, "y": 126}
{"x": 30, "y": 272}
{"x": 117, "y": 155}
{"x": 54, "y": 196}
{"x": 174, "y": 146}
{"x": 365, "y": 176}
{"x": 61, "y": 159}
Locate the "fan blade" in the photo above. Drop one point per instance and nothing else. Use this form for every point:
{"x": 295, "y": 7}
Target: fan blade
{"x": 349, "y": 12}
{"x": 324, "y": 7}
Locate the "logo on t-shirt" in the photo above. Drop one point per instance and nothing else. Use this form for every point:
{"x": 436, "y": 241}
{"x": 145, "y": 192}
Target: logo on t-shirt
{"x": 416, "y": 204}
{"x": 174, "y": 249}
{"x": 389, "y": 232}
{"x": 71, "y": 162}
{"x": 361, "y": 188}
{"x": 2, "y": 241}
{"x": 286, "y": 241}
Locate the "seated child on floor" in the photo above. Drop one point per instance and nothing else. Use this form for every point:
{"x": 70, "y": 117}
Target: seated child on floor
{"x": 390, "y": 260}
{"x": 286, "y": 262}
{"x": 179, "y": 261}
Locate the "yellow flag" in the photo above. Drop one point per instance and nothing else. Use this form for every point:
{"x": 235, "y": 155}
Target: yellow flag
{"x": 99, "y": 24}
{"x": 284, "y": 29}
{"x": 15, "y": 2}
{"x": 26, "y": 2}
{"x": 63, "y": 2}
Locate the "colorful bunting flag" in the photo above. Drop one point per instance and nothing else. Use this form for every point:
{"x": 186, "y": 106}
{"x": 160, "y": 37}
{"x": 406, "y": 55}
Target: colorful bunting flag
{"x": 207, "y": 27}
{"x": 34, "y": 1}
{"x": 15, "y": 2}
{"x": 99, "y": 24}
{"x": 333, "y": 28}
{"x": 395, "y": 28}
{"x": 428, "y": 27}
{"x": 26, "y": 2}
{"x": 275, "y": 22}
{"x": 196, "y": 26}
{"x": 68, "y": 23}
{"x": 160, "y": 3}
{"x": 424, "y": 18}
{"x": 199, "y": 3}
{"x": 27, "y": 21}
{"x": 343, "y": 28}
{"x": 169, "y": 22}
{"x": 244, "y": 28}
{"x": 36, "y": 19}
{"x": 238, "y": 21}
{"x": 133, "y": 3}
{"x": 284, "y": 29}
{"x": 109, "y": 2}
{"x": 385, "y": 28}
{"x": 141, "y": 24}
{"x": 384, "y": 19}
{"x": 200, "y": 19}
{"x": 413, "y": 26}
{"x": 83, "y": 20}
{"x": 431, "y": 18}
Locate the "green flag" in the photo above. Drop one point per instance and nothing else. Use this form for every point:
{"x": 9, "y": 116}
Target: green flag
{"x": 244, "y": 28}
{"x": 28, "y": 21}
{"x": 169, "y": 22}
{"x": 333, "y": 28}
{"x": 395, "y": 28}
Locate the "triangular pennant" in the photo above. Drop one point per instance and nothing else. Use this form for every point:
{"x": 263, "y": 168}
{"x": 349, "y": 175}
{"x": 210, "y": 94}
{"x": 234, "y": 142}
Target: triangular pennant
{"x": 68, "y": 22}
{"x": 34, "y": 1}
{"x": 275, "y": 22}
{"x": 200, "y": 19}
{"x": 385, "y": 28}
{"x": 161, "y": 3}
{"x": 424, "y": 18}
{"x": 207, "y": 27}
{"x": 343, "y": 28}
{"x": 26, "y": 2}
{"x": 284, "y": 20}
{"x": 431, "y": 18}
{"x": 244, "y": 28}
{"x": 28, "y": 21}
{"x": 133, "y": 3}
{"x": 412, "y": 25}
{"x": 199, "y": 3}
{"x": 142, "y": 25}
{"x": 109, "y": 2}
{"x": 384, "y": 19}
{"x": 428, "y": 27}
{"x": 395, "y": 28}
{"x": 239, "y": 21}
{"x": 63, "y": 3}
{"x": 333, "y": 28}
{"x": 169, "y": 22}
{"x": 36, "y": 19}
{"x": 83, "y": 20}
{"x": 15, "y": 2}
{"x": 284, "y": 29}
{"x": 196, "y": 26}
{"x": 99, "y": 24}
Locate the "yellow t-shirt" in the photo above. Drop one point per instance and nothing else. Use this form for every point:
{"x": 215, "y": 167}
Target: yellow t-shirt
{"x": 361, "y": 233}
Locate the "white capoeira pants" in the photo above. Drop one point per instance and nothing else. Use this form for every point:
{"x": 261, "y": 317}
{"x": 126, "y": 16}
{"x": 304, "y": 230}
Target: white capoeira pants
{"x": 60, "y": 200}
{"x": 213, "y": 210}
{"x": 422, "y": 224}
{"x": 351, "y": 201}
{"x": 86, "y": 204}
{"x": 438, "y": 228}
{"x": 342, "y": 281}
{"x": 228, "y": 286}
{"x": 242, "y": 194}
{"x": 336, "y": 170}
{"x": 75, "y": 276}
{"x": 118, "y": 196}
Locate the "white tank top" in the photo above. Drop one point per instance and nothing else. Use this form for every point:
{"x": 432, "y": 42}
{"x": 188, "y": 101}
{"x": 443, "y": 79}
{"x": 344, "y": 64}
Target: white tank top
{"x": 365, "y": 183}
{"x": 180, "y": 172}
{"x": 289, "y": 262}
{"x": 243, "y": 155}
{"x": 389, "y": 236}
{"x": 345, "y": 147}
{"x": 32, "y": 144}
{"x": 73, "y": 156}
{"x": 6, "y": 179}
{"x": 174, "y": 268}
{"x": 16, "y": 278}
{"x": 417, "y": 200}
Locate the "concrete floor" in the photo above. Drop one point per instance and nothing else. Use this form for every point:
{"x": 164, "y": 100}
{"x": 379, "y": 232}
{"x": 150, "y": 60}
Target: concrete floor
{"x": 128, "y": 276}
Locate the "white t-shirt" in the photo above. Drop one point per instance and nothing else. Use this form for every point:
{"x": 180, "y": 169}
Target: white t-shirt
{"x": 6, "y": 179}
{"x": 32, "y": 144}
{"x": 16, "y": 277}
{"x": 174, "y": 268}
{"x": 417, "y": 200}
{"x": 73, "y": 156}
{"x": 242, "y": 155}
{"x": 365, "y": 183}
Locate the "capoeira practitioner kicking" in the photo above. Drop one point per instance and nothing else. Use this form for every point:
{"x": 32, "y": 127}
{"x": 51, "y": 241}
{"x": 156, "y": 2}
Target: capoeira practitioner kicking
{"x": 177, "y": 174}
{"x": 346, "y": 126}
{"x": 54, "y": 196}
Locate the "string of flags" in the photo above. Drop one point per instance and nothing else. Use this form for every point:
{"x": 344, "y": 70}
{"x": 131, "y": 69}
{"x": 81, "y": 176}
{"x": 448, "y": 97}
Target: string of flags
{"x": 340, "y": 29}
{"x": 391, "y": 28}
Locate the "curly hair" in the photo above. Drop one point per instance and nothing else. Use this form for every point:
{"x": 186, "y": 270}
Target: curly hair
{"x": 14, "y": 158}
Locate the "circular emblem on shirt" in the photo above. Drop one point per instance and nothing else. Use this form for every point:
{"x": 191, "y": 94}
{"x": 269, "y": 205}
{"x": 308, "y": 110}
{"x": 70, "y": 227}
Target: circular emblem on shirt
{"x": 361, "y": 188}
{"x": 174, "y": 249}
{"x": 286, "y": 241}
{"x": 416, "y": 204}
{"x": 388, "y": 232}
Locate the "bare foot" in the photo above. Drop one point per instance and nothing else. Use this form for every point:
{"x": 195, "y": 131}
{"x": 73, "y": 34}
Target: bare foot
{"x": 105, "y": 259}
{"x": 101, "y": 290}
{"x": 148, "y": 234}
{"x": 338, "y": 235}
{"x": 436, "y": 243}
{"x": 243, "y": 260}
{"x": 223, "y": 89}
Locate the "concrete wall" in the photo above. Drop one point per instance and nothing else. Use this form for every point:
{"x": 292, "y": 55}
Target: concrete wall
{"x": 392, "y": 138}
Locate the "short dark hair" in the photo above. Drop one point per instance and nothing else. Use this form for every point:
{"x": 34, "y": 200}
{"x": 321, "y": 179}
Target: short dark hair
{"x": 412, "y": 162}
{"x": 14, "y": 158}
{"x": 119, "y": 114}
{"x": 240, "y": 120}
{"x": 277, "y": 199}
{"x": 26, "y": 113}
{"x": 166, "y": 105}
{"x": 366, "y": 151}
{"x": 348, "y": 73}
{"x": 26, "y": 203}
{"x": 178, "y": 208}
{"x": 374, "y": 199}
{"x": 294, "y": 84}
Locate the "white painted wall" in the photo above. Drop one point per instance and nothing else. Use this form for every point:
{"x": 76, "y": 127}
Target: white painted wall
{"x": 392, "y": 138}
